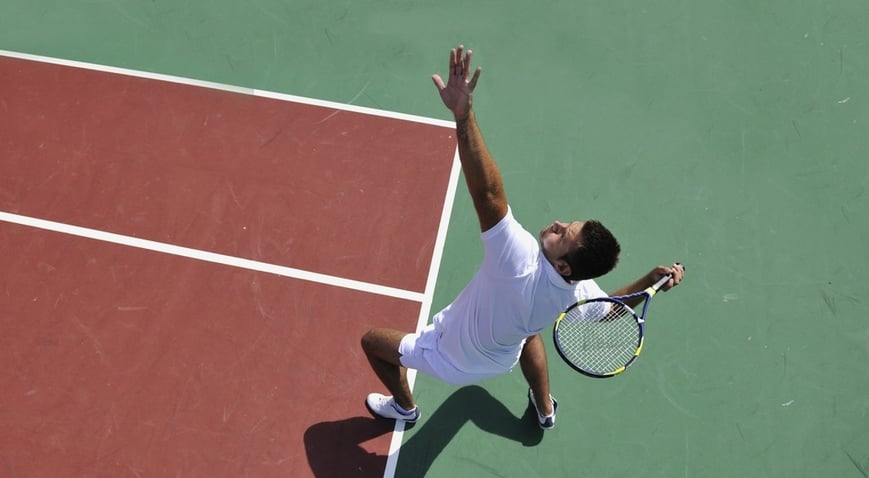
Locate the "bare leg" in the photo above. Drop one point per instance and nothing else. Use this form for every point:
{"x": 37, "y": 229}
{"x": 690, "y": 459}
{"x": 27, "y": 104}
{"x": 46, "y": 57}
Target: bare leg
{"x": 536, "y": 372}
{"x": 381, "y": 348}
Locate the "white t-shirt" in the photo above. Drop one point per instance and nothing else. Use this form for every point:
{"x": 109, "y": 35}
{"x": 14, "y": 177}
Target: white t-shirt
{"x": 515, "y": 295}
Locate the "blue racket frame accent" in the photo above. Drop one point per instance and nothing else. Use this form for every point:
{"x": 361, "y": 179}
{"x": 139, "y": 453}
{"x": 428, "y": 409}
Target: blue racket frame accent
{"x": 649, "y": 292}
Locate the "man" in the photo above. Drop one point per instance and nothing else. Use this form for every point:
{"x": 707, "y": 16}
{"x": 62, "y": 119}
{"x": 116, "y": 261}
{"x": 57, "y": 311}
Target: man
{"x": 520, "y": 288}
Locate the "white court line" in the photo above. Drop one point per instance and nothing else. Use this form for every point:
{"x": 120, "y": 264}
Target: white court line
{"x": 210, "y": 257}
{"x": 425, "y": 298}
{"x": 228, "y": 88}
{"x": 425, "y": 309}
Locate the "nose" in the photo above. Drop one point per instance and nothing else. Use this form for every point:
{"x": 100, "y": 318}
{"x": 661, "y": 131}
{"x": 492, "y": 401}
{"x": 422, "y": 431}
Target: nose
{"x": 555, "y": 228}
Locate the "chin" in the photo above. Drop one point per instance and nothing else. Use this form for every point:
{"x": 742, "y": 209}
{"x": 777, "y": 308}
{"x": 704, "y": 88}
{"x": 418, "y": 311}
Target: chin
{"x": 544, "y": 248}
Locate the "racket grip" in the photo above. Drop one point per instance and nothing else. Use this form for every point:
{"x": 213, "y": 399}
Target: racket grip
{"x": 664, "y": 279}
{"x": 661, "y": 282}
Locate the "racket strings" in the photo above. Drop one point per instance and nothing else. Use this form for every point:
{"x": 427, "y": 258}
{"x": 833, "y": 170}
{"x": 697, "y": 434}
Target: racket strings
{"x": 599, "y": 337}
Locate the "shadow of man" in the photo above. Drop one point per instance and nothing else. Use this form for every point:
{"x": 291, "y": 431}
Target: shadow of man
{"x": 334, "y": 448}
{"x": 468, "y": 404}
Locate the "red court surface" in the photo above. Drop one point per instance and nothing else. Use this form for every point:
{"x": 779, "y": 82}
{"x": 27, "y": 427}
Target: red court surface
{"x": 319, "y": 189}
{"x": 120, "y": 361}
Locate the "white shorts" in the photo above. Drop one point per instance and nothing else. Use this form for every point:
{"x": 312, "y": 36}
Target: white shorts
{"x": 420, "y": 352}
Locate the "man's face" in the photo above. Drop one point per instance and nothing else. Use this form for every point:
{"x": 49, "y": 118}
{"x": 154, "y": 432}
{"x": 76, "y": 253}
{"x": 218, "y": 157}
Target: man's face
{"x": 559, "y": 238}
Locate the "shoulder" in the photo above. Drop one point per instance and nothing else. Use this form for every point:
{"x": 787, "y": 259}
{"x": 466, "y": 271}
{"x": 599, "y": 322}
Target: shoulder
{"x": 589, "y": 289}
{"x": 509, "y": 248}
{"x": 505, "y": 224}
{"x": 509, "y": 230}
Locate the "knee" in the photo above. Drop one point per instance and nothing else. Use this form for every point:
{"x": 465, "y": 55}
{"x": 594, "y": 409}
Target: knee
{"x": 372, "y": 341}
{"x": 382, "y": 343}
{"x": 368, "y": 340}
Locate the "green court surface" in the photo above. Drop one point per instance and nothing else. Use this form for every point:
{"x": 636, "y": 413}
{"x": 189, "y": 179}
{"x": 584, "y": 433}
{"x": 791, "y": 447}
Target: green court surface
{"x": 730, "y": 136}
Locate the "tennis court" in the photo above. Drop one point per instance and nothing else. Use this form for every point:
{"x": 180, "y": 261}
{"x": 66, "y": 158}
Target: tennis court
{"x": 203, "y": 207}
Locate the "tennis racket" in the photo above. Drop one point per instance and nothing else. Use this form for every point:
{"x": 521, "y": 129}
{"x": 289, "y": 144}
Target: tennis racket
{"x": 602, "y": 337}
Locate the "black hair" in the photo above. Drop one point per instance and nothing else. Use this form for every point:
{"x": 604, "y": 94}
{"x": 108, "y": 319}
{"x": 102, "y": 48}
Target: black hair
{"x": 597, "y": 254}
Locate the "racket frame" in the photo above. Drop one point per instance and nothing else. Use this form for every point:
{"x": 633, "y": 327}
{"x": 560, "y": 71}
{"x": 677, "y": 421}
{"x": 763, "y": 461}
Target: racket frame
{"x": 648, "y": 292}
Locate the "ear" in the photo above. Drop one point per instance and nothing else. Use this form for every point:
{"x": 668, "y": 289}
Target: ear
{"x": 563, "y": 268}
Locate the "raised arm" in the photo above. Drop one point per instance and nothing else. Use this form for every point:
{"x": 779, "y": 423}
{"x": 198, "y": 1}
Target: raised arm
{"x": 481, "y": 173}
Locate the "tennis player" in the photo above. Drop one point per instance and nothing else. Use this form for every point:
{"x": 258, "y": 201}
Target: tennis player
{"x": 523, "y": 283}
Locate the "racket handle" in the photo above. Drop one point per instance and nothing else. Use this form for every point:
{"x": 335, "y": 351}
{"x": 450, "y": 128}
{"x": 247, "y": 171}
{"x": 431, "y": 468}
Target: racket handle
{"x": 664, "y": 280}
{"x": 661, "y": 282}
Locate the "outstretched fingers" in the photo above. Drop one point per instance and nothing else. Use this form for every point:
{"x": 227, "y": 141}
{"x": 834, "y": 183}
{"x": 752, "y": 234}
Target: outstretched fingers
{"x": 458, "y": 85}
{"x": 473, "y": 83}
{"x": 438, "y": 82}
{"x": 459, "y": 68}
{"x": 460, "y": 63}
{"x": 455, "y": 60}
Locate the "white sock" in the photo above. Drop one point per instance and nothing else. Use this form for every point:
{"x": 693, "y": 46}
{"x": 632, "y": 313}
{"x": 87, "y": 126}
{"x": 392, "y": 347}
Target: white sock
{"x": 401, "y": 409}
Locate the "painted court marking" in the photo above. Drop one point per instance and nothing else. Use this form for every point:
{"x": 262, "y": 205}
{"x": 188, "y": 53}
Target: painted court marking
{"x": 425, "y": 309}
{"x": 228, "y": 88}
{"x": 210, "y": 257}
{"x": 425, "y": 298}
{"x": 236, "y": 261}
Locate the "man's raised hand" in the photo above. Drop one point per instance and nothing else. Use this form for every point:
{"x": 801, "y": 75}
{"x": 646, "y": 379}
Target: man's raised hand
{"x": 456, "y": 93}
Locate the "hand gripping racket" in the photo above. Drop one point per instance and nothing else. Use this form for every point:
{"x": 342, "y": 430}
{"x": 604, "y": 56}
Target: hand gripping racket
{"x": 602, "y": 337}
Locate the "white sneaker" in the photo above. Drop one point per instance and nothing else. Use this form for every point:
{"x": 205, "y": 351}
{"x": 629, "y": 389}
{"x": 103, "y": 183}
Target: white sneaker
{"x": 385, "y": 407}
{"x": 546, "y": 422}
